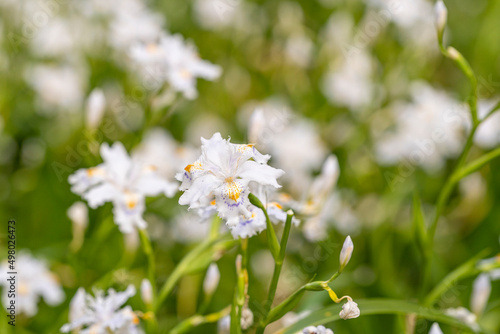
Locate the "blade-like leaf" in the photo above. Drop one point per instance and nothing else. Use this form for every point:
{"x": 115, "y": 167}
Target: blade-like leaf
{"x": 373, "y": 307}
{"x": 419, "y": 224}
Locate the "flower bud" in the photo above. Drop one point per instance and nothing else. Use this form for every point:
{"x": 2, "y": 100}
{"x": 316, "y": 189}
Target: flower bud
{"x": 350, "y": 310}
{"x": 211, "y": 279}
{"x": 441, "y": 16}
{"x": 480, "y": 294}
{"x": 96, "y": 104}
{"x": 146, "y": 292}
{"x": 78, "y": 213}
{"x": 256, "y": 127}
{"x": 435, "y": 329}
{"x": 345, "y": 253}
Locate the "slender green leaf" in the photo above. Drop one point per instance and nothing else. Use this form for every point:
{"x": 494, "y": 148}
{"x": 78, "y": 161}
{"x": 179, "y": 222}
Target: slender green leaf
{"x": 375, "y": 307}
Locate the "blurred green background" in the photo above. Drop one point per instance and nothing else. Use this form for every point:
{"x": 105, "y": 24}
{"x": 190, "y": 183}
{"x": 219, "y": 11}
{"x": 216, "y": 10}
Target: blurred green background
{"x": 256, "y": 67}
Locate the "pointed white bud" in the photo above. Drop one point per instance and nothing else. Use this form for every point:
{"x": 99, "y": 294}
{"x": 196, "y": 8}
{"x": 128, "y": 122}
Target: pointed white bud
{"x": 256, "y": 127}
{"x": 96, "y": 104}
{"x": 146, "y": 292}
{"x": 441, "y": 13}
{"x": 324, "y": 183}
{"x": 78, "y": 214}
{"x": 211, "y": 279}
{"x": 350, "y": 310}
{"x": 346, "y": 252}
{"x": 435, "y": 329}
{"x": 480, "y": 294}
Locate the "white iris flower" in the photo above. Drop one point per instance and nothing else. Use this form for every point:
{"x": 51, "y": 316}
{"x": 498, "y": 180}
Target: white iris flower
{"x": 222, "y": 177}
{"x": 125, "y": 182}
{"x": 102, "y": 314}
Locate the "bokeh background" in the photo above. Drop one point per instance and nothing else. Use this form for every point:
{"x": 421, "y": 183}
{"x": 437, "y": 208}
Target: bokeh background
{"x": 338, "y": 68}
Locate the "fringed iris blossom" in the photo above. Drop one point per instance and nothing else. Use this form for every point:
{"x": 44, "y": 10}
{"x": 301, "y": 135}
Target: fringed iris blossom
{"x": 223, "y": 177}
{"x": 34, "y": 282}
{"x": 125, "y": 182}
{"x": 175, "y": 61}
{"x": 102, "y": 314}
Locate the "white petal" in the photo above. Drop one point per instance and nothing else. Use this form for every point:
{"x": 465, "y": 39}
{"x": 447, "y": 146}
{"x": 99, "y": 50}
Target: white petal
{"x": 200, "y": 190}
{"x": 262, "y": 174}
{"x": 116, "y": 160}
{"x": 100, "y": 194}
{"x": 150, "y": 184}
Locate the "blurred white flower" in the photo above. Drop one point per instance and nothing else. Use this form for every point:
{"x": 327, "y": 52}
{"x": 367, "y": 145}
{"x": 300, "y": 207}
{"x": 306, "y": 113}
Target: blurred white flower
{"x": 464, "y": 315}
{"x": 350, "y": 84}
{"x": 272, "y": 129}
{"x": 480, "y": 294}
{"x": 33, "y": 282}
{"x": 146, "y": 292}
{"x": 350, "y": 310}
{"x": 216, "y": 14}
{"x": 322, "y": 185}
{"x": 157, "y": 144}
{"x": 345, "y": 253}
{"x": 102, "y": 314}
{"x": 58, "y": 87}
{"x": 224, "y": 172}
{"x": 122, "y": 180}
{"x": 94, "y": 111}
{"x": 299, "y": 49}
{"x": 175, "y": 61}
{"x": 132, "y": 22}
{"x": 435, "y": 329}
{"x": 211, "y": 280}
{"x": 427, "y": 130}
{"x": 56, "y": 38}
{"x": 317, "y": 330}
{"x": 414, "y": 18}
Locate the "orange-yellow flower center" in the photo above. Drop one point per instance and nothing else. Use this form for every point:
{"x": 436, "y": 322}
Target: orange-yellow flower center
{"x": 195, "y": 166}
{"x": 233, "y": 189}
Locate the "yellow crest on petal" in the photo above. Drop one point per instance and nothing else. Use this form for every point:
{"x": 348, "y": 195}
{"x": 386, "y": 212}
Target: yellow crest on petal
{"x": 232, "y": 189}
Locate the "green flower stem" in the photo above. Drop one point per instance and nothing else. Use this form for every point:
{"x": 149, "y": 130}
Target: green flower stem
{"x": 464, "y": 65}
{"x": 459, "y": 173}
{"x": 476, "y": 164}
{"x": 289, "y": 303}
{"x": 197, "y": 320}
{"x": 272, "y": 240}
{"x": 491, "y": 112}
{"x": 148, "y": 250}
{"x": 277, "y": 271}
{"x": 445, "y": 193}
{"x": 241, "y": 290}
{"x": 334, "y": 277}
